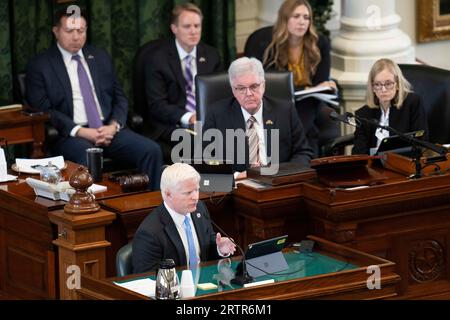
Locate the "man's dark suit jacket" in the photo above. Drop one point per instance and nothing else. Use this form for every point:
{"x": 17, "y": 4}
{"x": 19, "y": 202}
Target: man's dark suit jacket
{"x": 277, "y": 114}
{"x": 165, "y": 84}
{"x": 157, "y": 238}
{"x": 410, "y": 117}
{"x": 49, "y": 89}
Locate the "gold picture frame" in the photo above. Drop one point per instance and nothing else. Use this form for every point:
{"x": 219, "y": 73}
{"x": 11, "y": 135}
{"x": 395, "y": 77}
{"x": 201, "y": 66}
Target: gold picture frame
{"x": 433, "y": 20}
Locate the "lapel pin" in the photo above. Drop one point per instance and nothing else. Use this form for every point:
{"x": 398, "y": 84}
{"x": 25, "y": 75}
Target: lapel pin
{"x": 198, "y": 215}
{"x": 269, "y": 122}
{"x": 201, "y": 59}
{"x": 90, "y": 56}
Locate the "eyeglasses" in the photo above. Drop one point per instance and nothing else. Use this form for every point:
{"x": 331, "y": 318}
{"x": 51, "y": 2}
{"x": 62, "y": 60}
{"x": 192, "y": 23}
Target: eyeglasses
{"x": 253, "y": 88}
{"x": 388, "y": 85}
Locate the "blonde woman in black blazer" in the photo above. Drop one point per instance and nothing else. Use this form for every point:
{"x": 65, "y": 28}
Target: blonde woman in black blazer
{"x": 389, "y": 100}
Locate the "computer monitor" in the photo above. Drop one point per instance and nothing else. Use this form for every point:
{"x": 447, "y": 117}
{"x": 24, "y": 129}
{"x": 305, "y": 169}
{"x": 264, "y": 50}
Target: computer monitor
{"x": 215, "y": 176}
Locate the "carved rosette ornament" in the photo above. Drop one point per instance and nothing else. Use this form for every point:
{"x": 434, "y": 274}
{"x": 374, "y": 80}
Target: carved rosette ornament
{"x": 81, "y": 202}
{"x": 426, "y": 261}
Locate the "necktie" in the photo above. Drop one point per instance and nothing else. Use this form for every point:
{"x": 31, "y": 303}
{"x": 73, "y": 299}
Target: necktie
{"x": 190, "y": 94}
{"x": 253, "y": 142}
{"x": 92, "y": 114}
{"x": 190, "y": 239}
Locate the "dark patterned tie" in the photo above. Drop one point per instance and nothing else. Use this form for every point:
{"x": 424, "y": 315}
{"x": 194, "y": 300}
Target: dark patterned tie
{"x": 92, "y": 114}
{"x": 253, "y": 142}
{"x": 190, "y": 94}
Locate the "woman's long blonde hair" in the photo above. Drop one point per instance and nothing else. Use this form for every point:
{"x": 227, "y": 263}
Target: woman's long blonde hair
{"x": 402, "y": 85}
{"x": 277, "y": 53}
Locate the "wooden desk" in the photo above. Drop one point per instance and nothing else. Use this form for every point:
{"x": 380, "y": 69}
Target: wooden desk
{"x": 18, "y": 128}
{"x": 405, "y": 221}
{"x": 401, "y": 220}
{"x": 28, "y": 258}
{"x": 306, "y": 284}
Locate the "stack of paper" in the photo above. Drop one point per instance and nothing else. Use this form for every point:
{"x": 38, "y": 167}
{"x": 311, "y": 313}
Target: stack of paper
{"x": 60, "y": 191}
{"x": 325, "y": 94}
{"x": 145, "y": 286}
{"x": 26, "y": 165}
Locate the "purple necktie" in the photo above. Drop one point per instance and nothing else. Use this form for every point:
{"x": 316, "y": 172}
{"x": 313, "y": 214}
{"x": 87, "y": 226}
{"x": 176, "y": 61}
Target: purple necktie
{"x": 92, "y": 115}
{"x": 190, "y": 94}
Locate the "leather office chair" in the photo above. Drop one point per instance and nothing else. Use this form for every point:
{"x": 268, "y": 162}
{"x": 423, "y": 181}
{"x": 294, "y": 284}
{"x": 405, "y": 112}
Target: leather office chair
{"x": 150, "y": 127}
{"x": 257, "y": 42}
{"x": 214, "y": 87}
{"x": 433, "y": 85}
{"x": 124, "y": 264}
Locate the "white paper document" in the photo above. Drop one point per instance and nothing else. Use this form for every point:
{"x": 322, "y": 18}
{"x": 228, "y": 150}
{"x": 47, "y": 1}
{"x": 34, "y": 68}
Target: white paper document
{"x": 3, "y": 168}
{"x": 313, "y": 90}
{"x": 26, "y": 165}
{"x": 145, "y": 286}
{"x": 60, "y": 191}
{"x": 325, "y": 94}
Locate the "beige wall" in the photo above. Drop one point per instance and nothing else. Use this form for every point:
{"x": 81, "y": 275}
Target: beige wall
{"x": 252, "y": 14}
{"x": 433, "y": 53}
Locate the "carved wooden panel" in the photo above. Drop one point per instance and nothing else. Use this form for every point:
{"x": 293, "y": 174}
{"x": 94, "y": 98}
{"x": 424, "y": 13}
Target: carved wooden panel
{"x": 426, "y": 260}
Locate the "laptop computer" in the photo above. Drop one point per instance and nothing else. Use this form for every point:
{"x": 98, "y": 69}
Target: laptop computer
{"x": 215, "y": 176}
{"x": 265, "y": 257}
{"x": 398, "y": 145}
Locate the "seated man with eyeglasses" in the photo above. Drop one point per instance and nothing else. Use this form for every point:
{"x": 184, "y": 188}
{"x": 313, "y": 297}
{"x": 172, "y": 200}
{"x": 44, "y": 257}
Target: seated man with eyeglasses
{"x": 256, "y": 130}
{"x": 391, "y": 102}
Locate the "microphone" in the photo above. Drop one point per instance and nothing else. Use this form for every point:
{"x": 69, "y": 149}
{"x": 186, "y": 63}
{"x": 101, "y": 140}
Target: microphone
{"x": 347, "y": 118}
{"x": 241, "y": 277}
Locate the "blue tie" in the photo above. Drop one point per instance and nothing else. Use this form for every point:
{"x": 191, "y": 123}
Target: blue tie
{"x": 190, "y": 239}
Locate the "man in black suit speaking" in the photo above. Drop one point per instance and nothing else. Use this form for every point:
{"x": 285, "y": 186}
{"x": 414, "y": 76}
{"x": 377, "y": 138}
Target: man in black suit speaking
{"x": 180, "y": 228}
{"x": 273, "y": 131}
{"x": 171, "y": 71}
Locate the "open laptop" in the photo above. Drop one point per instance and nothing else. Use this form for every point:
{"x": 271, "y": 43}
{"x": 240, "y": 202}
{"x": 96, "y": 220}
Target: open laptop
{"x": 265, "y": 257}
{"x": 215, "y": 176}
{"x": 398, "y": 145}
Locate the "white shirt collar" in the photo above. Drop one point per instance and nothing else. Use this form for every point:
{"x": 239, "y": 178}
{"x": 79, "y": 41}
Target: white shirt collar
{"x": 67, "y": 56}
{"x": 258, "y": 115}
{"x": 182, "y": 53}
{"x": 178, "y": 218}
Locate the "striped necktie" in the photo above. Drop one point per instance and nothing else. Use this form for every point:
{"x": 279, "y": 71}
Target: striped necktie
{"x": 190, "y": 239}
{"x": 253, "y": 142}
{"x": 87, "y": 93}
{"x": 190, "y": 94}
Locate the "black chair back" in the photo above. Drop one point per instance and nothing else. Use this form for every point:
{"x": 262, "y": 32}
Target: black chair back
{"x": 124, "y": 265}
{"x": 257, "y": 42}
{"x": 433, "y": 85}
{"x": 140, "y": 61}
{"x": 215, "y": 87}
{"x": 21, "y": 81}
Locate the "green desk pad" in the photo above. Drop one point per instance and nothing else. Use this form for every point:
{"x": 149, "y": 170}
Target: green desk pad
{"x": 301, "y": 265}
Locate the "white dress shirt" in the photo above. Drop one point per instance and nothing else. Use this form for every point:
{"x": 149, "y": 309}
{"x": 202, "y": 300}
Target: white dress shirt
{"x": 381, "y": 133}
{"x": 79, "y": 111}
{"x": 178, "y": 219}
{"x": 259, "y": 126}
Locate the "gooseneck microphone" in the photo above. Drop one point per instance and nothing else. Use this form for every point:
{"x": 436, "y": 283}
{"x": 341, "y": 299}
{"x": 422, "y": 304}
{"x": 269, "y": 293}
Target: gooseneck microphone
{"x": 241, "y": 277}
{"x": 347, "y": 118}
